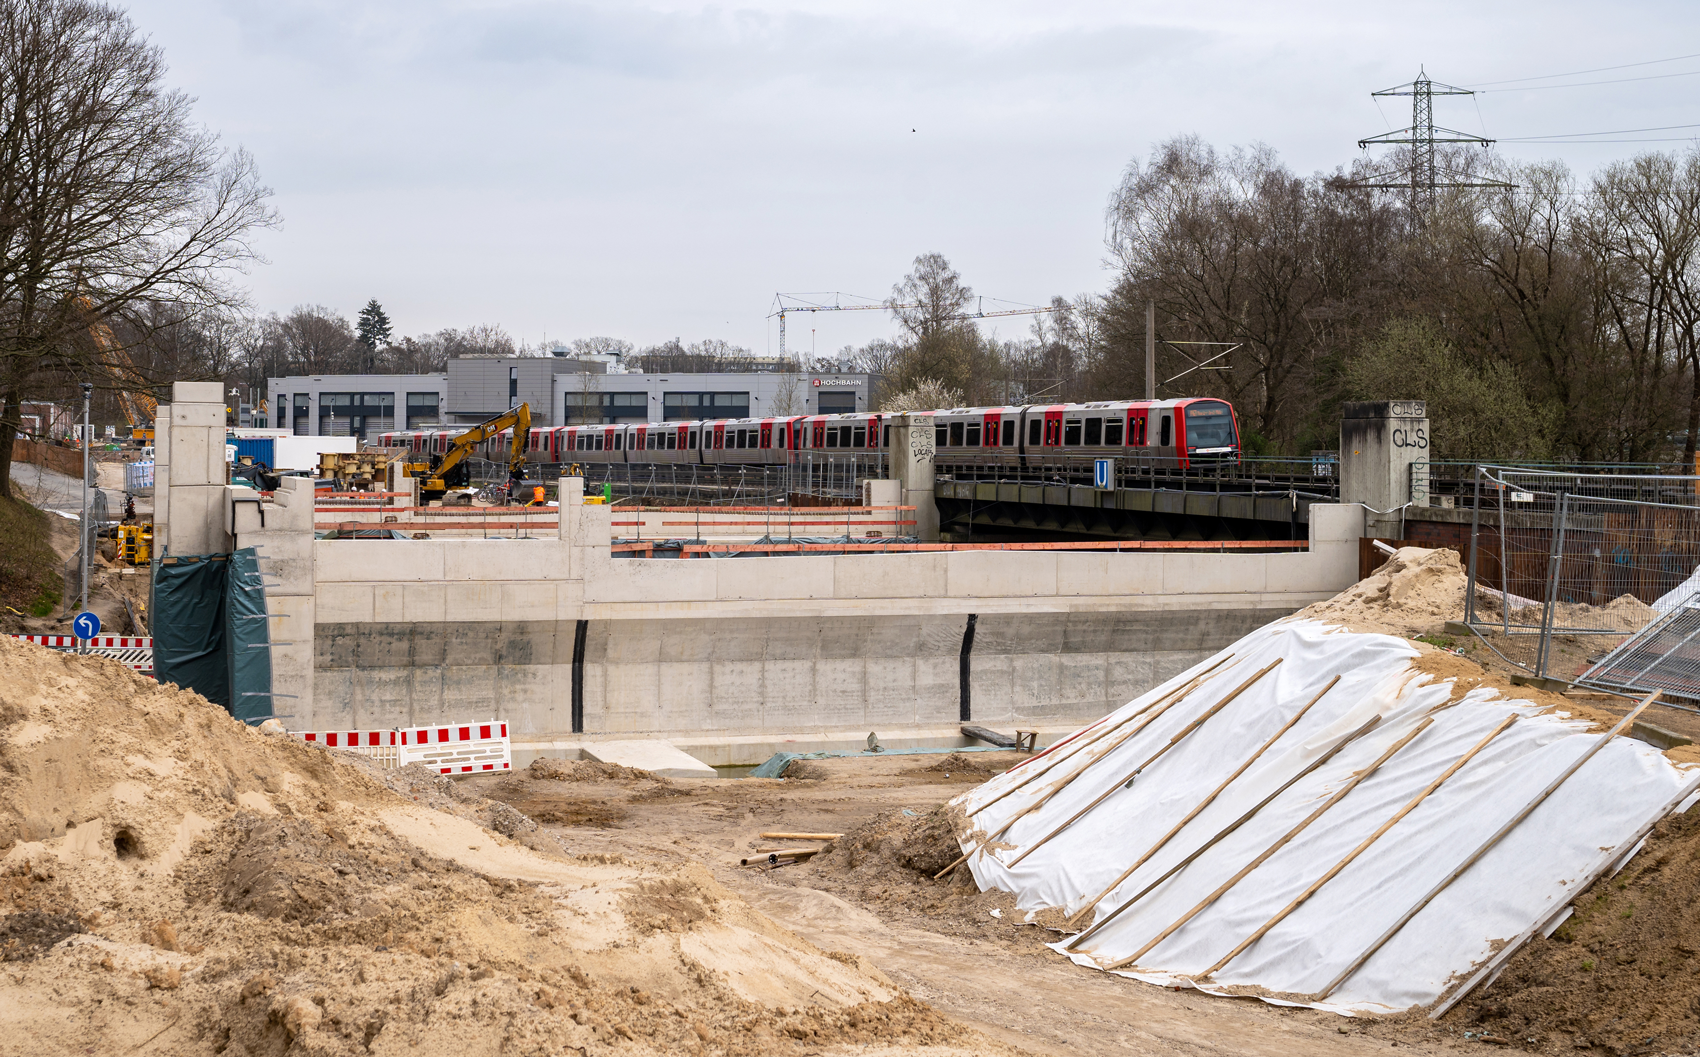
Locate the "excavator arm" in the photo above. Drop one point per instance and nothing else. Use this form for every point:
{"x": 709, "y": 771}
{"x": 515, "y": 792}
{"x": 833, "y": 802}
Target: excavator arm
{"x": 436, "y": 480}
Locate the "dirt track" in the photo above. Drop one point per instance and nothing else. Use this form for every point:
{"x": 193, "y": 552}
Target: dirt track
{"x": 938, "y": 940}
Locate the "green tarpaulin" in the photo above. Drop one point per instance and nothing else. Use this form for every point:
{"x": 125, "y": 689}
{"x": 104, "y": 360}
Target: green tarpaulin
{"x": 210, "y": 633}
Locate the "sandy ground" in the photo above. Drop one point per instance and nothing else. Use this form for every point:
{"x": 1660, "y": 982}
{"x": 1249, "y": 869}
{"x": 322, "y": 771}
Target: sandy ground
{"x": 940, "y": 941}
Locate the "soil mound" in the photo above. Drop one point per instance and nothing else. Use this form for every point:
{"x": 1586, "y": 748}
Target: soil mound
{"x": 238, "y": 893}
{"x": 543, "y": 769}
{"x": 897, "y": 840}
{"x": 1622, "y": 975}
{"x": 1415, "y": 592}
{"x": 969, "y": 764}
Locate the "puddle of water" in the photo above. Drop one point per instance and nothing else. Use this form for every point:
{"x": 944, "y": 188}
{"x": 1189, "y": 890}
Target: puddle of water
{"x": 736, "y": 770}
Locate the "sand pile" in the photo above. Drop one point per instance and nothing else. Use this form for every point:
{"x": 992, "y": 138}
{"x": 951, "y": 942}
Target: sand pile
{"x": 1415, "y": 592}
{"x": 1622, "y": 975}
{"x": 173, "y": 882}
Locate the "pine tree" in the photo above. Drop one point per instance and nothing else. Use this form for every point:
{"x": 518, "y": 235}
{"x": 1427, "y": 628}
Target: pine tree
{"x": 374, "y": 329}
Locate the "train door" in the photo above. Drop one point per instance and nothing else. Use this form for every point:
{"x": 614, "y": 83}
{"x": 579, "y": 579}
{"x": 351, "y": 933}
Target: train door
{"x": 1053, "y": 436}
{"x": 719, "y": 441}
{"x": 766, "y": 433}
{"x": 990, "y": 434}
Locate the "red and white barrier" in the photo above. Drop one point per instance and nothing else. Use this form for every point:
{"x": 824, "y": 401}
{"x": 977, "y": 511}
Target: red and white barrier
{"x": 459, "y": 749}
{"x": 132, "y": 651}
{"x": 380, "y": 745}
{"x": 462, "y": 748}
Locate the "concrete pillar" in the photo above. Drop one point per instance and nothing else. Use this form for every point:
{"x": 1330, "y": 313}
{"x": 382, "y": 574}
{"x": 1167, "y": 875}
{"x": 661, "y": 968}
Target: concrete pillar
{"x": 198, "y": 473}
{"x": 161, "y": 479}
{"x": 1380, "y": 440}
{"x": 285, "y": 547}
{"x": 912, "y": 467}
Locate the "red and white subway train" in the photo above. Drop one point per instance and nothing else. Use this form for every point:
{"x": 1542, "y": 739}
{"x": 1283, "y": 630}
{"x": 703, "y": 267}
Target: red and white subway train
{"x": 1163, "y": 434}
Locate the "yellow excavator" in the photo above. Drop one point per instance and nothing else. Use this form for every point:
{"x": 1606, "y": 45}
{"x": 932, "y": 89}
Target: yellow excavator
{"x": 450, "y": 469}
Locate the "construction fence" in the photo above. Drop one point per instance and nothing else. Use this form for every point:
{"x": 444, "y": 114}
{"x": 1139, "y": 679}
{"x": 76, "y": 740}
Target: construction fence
{"x": 1566, "y": 553}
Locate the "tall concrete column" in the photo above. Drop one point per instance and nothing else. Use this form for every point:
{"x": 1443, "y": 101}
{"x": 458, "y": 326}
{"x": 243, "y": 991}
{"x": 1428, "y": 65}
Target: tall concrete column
{"x": 284, "y": 544}
{"x": 161, "y": 479}
{"x": 195, "y": 499}
{"x": 1380, "y": 440}
{"x": 912, "y": 467}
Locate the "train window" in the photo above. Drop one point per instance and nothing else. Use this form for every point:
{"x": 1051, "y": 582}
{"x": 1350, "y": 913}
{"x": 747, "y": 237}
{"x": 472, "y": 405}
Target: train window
{"x": 1033, "y": 432}
{"x": 581, "y": 439}
{"x": 1167, "y": 422}
{"x": 780, "y": 438}
{"x": 832, "y": 437}
{"x": 956, "y": 434}
{"x": 1094, "y": 431}
{"x": 619, "y": 441}
{"x": 599, "y": 442}
{"x": 693, "y": 440}
{"x": 941, "y": 436}
{"x": 887, "y": 442}
{"x": 1008, "y": 432}
{"x": 1113, "y": 432}
{"x": 859, "y": 437}
{"x": 971, "y": 436}
{"x": 1071, "y": 434}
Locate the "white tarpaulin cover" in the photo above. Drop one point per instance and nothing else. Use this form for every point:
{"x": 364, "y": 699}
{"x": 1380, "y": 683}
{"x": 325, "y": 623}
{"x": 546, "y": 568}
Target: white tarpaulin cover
{"x": 1522, "y": 882}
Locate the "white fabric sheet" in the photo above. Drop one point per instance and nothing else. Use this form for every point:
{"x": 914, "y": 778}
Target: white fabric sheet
{"x": 1533, "y": 871}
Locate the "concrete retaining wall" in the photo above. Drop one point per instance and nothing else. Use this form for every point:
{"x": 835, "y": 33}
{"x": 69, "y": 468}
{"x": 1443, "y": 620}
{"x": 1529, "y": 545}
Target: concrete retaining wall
{"x": 411, "y": 632}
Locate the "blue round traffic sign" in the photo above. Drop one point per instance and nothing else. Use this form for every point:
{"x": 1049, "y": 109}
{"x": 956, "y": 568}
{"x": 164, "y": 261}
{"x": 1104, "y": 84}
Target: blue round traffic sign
{"x": 86, "y": 625}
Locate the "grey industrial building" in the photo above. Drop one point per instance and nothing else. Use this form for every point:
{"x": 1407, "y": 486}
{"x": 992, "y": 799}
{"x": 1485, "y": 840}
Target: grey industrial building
{"x": 560, "y": 392}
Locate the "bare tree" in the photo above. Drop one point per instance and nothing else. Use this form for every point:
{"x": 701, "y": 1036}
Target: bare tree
{"x": 110, "y": 196}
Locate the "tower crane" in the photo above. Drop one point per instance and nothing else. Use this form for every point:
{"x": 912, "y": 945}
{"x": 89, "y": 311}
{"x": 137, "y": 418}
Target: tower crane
{"x": 781, "y": 309}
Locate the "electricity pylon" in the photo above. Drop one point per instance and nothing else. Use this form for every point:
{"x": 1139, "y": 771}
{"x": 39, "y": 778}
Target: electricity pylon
{"x": 1424, "y": 174}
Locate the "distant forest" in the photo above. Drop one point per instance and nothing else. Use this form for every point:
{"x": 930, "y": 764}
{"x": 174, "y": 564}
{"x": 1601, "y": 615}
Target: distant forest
{"x": 1557, "y": 319}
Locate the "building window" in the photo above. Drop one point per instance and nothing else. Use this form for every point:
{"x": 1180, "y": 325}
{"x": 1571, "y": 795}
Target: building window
{"x": 605, "y": 408}
{"x": 513, "y": 386}
{"x": 301, "y": 418}
{"x": 686, "y": 406}
{"x": 423, "y": 409}
{"x": 836, "y": 402}
{"x": 355, "y": 414}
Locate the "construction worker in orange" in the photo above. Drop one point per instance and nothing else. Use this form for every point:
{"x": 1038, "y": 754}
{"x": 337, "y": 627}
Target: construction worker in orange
{"x": 537, "y": 495}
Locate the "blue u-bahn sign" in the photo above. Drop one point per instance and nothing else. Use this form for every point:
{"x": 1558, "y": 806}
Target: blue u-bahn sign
{"x": 1104, "y": 474}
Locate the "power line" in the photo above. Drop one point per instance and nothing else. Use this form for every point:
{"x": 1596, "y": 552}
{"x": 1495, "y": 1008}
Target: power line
{"x": 1608, "y": 132}
{"x": 1584, "y": 142}
{"x": 1585, "y": 84}
{"x": 1578, "y": 73}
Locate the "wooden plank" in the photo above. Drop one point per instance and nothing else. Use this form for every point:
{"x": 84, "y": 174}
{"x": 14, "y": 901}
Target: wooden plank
{"x": 1230, "y": 828}
{"x": 1123, "y": 781}
{"x": 990, "y": 737}
{"x": 1484, "y": 848}
{"x": 1202, "y": 804}
{"x": 1334, "y": 871}
{"x": 1281, "y": 842}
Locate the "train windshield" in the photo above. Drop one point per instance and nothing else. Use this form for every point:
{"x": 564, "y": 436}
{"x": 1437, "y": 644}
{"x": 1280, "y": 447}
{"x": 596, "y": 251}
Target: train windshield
{"x": 1209, "y": 424}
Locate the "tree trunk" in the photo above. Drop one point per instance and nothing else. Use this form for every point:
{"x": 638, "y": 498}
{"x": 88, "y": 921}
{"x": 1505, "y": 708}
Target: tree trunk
{"x": 1693, "y": 413}
{"x": 11, "y": 420}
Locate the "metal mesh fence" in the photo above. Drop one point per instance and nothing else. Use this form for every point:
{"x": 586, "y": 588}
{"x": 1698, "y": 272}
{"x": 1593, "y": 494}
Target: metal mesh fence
{"x": 1577, "y": 554}
{"x": 1663, "y": 656}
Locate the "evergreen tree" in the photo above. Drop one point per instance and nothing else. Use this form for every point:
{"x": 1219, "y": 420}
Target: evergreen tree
{"x": 374, "y": 328}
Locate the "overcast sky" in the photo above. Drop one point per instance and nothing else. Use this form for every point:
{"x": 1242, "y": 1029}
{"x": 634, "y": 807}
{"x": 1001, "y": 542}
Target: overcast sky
{"x": 652, "y": 170}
